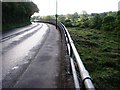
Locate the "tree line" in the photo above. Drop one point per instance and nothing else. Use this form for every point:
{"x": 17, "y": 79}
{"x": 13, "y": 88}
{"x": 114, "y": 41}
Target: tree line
{"x": 17, "y": 13}
{"x": 108, "y": 21}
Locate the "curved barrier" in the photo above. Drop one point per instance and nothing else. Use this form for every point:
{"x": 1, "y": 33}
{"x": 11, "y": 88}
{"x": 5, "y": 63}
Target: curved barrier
{"x": 82, "y": 79}
{"x": 85, "y": 79}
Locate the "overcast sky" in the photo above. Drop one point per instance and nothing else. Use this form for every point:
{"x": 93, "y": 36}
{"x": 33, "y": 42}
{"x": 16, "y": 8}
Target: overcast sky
{"x": 48, "y": 7}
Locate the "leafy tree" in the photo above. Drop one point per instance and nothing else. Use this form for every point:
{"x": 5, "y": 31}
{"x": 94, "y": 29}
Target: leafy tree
{"x": 62, "y": 18}
{"x": 17, "y": 13}
{"x": 117, "y": 29}
{"x": 68, "y": 23}
{"x": 108, "y": 23}
{"x": 112, "y": 14}
{"x": 84, "y": 19}
{"x": 95, "y": 21}
{"x": 48, "y": 18}
{"x": 75, "y": 15}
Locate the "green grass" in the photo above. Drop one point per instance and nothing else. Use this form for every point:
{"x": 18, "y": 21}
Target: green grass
{"x": 100, "y": 52}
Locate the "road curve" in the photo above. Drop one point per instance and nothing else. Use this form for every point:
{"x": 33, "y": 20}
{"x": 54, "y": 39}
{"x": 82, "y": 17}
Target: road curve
{"x": 44, "y": 70}
{"x": 32, "y": 59}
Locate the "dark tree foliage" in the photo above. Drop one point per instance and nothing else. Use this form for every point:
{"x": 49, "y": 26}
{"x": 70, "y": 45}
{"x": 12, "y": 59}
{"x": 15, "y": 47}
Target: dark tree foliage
{"x": 108, "y": 23}
{"x": 118, "y": 23}
{"x": 17, "y": 13}
{"x": 95, "y": 21}
{"x": 68, "y": 23}
{"x": 108, "y": 19}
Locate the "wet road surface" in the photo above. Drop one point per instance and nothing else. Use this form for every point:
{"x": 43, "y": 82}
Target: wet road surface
{"x": 43, "y": 72}
{"x": 30, "y": 59}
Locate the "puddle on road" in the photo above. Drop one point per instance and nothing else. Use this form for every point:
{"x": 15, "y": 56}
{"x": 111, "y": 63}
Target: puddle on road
{"x": 16, "y": 55}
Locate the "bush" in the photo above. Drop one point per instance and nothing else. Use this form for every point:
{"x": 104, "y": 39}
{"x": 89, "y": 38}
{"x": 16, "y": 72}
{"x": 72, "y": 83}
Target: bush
{"x": 108, "y": 23}
{"x": 68, "y": 23}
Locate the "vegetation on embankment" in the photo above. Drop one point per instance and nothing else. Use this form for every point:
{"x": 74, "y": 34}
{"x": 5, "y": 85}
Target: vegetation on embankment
{"x": 97, "y": 39}
{"x": 17, "y": 14}
{"x": 100, "y": 52}
{"x": 108, "y": 21}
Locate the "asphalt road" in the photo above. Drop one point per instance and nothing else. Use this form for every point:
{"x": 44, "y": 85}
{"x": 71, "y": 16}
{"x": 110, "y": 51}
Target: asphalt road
{"x": 31, "y": 57}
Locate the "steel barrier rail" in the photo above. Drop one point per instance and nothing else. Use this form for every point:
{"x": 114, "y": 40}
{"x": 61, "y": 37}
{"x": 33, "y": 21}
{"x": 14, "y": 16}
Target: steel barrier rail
{"x": 85, "y": 77}
{"x": 77, "y": 85}
{"x": 86, "y": 81}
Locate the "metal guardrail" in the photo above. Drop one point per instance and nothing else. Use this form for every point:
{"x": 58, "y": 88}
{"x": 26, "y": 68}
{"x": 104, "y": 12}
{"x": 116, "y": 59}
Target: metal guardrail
{"x": 86, "y": 81}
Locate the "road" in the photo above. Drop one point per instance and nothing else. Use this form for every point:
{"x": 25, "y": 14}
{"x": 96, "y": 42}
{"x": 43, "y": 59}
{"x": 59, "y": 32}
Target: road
{"x": 31, "y": 57}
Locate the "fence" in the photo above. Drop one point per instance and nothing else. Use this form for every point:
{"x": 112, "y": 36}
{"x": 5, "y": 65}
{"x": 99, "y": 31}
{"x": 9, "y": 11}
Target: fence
{"x": 82, "y": 79}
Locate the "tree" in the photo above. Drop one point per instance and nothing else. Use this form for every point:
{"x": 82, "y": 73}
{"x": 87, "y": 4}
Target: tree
{"x": 75, "y": 15}
{"x": 95, "y": 21}
{"x": 17, "y": 13}
{"x": 68, "y": 23}
{"x": 117, "y": 29}
{"x": 48, "y": 18}
{"x": 84, "y": 19}
{"x": 62, "y": 18}
{"x": 108, "y": 23}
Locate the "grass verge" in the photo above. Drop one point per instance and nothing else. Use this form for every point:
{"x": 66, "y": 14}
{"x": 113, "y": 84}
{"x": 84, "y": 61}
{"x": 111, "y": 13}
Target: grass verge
{"x": 100, "y": 52}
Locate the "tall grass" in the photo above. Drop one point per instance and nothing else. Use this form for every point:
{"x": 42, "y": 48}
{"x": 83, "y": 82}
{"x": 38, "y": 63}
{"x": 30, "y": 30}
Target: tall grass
{"x": 100, "y": 52}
